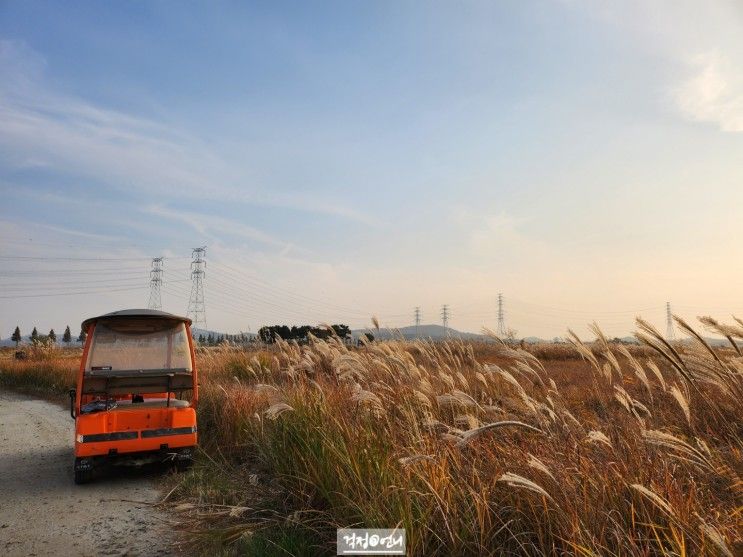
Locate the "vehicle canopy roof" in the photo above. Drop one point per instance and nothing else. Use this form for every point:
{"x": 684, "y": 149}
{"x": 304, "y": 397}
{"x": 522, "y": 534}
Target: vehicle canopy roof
{"x": 126, "y": 314}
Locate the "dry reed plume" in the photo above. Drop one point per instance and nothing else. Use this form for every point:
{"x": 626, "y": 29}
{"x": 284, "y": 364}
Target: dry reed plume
{"x": 474, "y": 448}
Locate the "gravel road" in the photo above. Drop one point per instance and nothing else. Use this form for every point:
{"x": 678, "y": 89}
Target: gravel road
{"x": 42, "y": 512}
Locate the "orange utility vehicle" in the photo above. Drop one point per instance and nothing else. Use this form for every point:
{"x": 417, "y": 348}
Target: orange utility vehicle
{"x": 136, "y": 392}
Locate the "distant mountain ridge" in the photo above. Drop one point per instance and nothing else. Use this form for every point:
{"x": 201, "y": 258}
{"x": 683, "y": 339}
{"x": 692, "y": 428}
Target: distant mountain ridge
{"x": 434, "y": 332}
{"x": 196, "y": 332}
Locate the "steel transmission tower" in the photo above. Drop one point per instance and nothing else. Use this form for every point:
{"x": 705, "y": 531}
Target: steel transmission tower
{"x": 196, "y": 306}
{"x": 670, "y": 332}
{"x": 501, "y": 318}
{"x": 156, "y": 280}
{"x": 445, "y": 314}
{"x": 417, "y": 320}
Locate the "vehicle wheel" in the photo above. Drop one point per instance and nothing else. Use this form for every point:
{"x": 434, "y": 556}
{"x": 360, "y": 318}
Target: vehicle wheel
{"x": 183, "y": 465}
{"x": 82, "y": 476}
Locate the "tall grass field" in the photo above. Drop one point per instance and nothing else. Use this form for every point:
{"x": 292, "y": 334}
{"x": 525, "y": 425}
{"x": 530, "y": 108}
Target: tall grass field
{"x": 583, "y": 448}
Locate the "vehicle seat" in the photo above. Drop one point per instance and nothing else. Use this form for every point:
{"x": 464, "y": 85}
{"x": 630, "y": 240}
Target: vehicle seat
{"x": 152, "y": 403}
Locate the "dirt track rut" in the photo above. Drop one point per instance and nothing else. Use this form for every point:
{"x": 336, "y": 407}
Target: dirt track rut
{"x": 42, "y": 512}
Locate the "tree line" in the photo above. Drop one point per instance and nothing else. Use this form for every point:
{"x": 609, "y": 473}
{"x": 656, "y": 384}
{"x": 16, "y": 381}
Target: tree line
{"x": 213, "y": 340}
{"x": 50, "y": 338}
{"x": 269, "y": 334}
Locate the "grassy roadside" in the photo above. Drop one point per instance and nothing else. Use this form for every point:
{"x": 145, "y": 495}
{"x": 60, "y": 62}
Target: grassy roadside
{"x": 47, "y": 373}
{"x": 473, "y": 448}
{"x": 592, "y": 450}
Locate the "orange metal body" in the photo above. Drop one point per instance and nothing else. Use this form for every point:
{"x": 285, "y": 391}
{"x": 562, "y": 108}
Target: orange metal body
{"x": 135, "y": 420}
{"x": 130, "y": 419}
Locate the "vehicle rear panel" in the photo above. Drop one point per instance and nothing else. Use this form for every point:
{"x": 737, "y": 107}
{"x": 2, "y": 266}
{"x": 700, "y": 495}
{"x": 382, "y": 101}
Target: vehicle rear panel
{"x": 129, "y": 430}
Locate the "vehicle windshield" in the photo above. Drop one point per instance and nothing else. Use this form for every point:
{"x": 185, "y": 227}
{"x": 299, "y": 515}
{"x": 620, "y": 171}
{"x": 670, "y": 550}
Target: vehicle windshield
{"x": 138, "y": 344}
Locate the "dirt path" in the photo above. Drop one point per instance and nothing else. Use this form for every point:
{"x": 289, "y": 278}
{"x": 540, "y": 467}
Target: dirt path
{"x": 42, "y": 512}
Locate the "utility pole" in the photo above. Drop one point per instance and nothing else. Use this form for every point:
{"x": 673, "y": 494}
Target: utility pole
{"x": 445, "y": 314}
{"x": 196, "y": 306}
{"x": 156, "y": 279}
{"x": 417, "y": 320}
{"x": 501, "y": 318}
{"x": 670, "y": 332}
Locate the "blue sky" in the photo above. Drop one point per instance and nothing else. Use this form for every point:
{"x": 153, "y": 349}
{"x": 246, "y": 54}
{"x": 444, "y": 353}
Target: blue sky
{"x": 344, "y": 159}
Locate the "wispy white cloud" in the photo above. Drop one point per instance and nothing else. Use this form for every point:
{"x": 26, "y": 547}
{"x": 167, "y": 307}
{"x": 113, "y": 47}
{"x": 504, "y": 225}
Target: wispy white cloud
{"x": 490, "y": 234}
{"x": 499, "y": 231}
{"x": 81, "y": 234}
{"x": 714, "y": 93}
{"x": 700, "y": 46}
{"x": 214, "y": 228}
{"x": 31, "y": 238}
{"x": 43, "y": 127}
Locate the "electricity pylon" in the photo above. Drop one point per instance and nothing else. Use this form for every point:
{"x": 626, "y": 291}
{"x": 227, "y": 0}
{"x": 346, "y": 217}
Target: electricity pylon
{"x": 156, "y": 280}
{"x": 501, "y": 318}
{"x": 670, "y": 331}
{"x": 196, "y": 305}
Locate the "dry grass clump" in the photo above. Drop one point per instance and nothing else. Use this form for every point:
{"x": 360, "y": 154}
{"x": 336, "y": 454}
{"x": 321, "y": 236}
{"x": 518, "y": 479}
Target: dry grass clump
{"x": 473, "y": 448}
{"x": 482, "y": 448}
{"x": 48, "y": 371}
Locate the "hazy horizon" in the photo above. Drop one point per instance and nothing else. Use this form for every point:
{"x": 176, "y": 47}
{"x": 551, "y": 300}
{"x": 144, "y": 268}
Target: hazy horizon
{"x": 341, "y": 161}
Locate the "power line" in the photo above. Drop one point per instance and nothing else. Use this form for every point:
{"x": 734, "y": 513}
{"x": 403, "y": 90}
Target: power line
{"x": 225, "y": 305}
{"x": 242, "y": 294}
{"x": 77, "y": 285}
{"x": 63, "y": 289}
{"x": 581, "y": 311}
{"x": 44, "y": 258}
{"x": 273, "y": 296}
{"x": 120, "y": 272}
{"x": 285, "y": 300}
{"x": 232, "y": 305}
{"x": 86, "y": 292}
{"x": 258, "y": 283}
{"x": 233, "y": 295}
{"x": 238, "y": 300}
{"x": 75, "y": 271}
